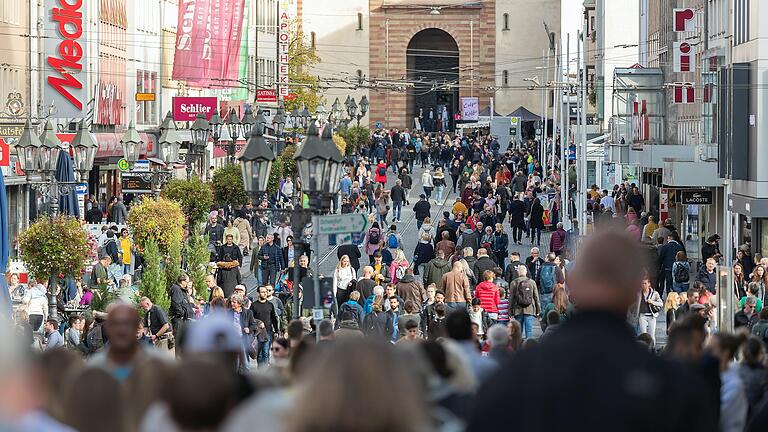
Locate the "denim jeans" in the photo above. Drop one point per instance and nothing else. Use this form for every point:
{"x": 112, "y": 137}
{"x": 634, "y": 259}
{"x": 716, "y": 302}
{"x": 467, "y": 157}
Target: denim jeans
{"x": 397, "y": 207}
{"x": 126, "y": 269}
{"x": 244, "y": 359}
{"x": 526, "y": 322}
{"x": 439, "y": 193}
{"x": 263, "y": 355}
{"x": 536, "y": 234}
{"x": 546, "y": 298}
{"x": 454, "y": 306}
{"x": 428, "y": 191}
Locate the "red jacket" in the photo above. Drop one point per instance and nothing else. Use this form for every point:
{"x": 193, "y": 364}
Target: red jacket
{"x": 488, "y": 293}
{"x": 558, "y": 240}
{"x": 380, "y": 178}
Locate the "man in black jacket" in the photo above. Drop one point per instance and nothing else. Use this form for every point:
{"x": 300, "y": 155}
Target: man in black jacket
{"x": 398, "y": 196}
{"x": 181, "y": 310}
{"x": 353, "y": 252}
{"x": 620, "y": 385}
{"x": 667, "y": 254}
{"x": 264, "y": 311}
{"x": 421, "y": 210}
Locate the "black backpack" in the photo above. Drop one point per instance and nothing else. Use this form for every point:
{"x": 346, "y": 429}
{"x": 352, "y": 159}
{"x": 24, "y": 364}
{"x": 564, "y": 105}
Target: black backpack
{"x": 374, "y": 236}
{"x": 681, "y": 274}
{"x": 523, "y": 294}
{"x": 382, "y": 171}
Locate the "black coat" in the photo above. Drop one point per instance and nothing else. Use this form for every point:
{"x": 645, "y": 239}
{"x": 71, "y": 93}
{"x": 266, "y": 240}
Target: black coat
{"x": 517, "y": 214}
{"x": 353, "y": 252}
{"x": 246, "y": 320}
{"x": 667, "y": 254}
{"x": 422, "y": 209}
{"x": 628, "y": 390}
{"x": 423, "y": 253}
{"x": 537, "y": 216}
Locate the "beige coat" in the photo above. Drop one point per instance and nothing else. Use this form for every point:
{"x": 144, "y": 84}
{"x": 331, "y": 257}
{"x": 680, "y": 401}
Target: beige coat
{"x": 456, "y": 285}
{"x": 246, "y": 232}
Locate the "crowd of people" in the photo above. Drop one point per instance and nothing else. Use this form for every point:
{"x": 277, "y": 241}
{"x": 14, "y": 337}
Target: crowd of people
{"x": 441, "y": 337}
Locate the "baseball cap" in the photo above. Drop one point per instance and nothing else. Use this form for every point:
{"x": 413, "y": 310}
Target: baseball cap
{"x": 216, "y": 333}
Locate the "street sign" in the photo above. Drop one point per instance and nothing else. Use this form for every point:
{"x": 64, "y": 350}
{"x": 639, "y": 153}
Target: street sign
{"x": 378, "y": 125}
{"x": 343, "y": 223}
{"x": 696, "y": 197}
{"x": 141, "y": 165}
{"x": 123, "y": 165}
{"x": 145, "y": 97}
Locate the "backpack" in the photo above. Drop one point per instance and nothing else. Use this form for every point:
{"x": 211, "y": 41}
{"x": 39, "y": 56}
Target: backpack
{"x": 346, "y": 307}
{"x": 392, "y": 242}
{"x": 547, "y": 278}
{"x": 374, "y": 236}
{"x": 382, "y": 171}
{"x": 681, "y": 273}
{"x": 523, "y": 294}
{"x": 374, "y": 326}
{"x": 400, "y": 271}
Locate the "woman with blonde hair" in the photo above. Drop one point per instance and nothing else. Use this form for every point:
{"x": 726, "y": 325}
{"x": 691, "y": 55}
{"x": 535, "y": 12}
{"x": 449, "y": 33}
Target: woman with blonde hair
{"x": 398, "y": 266}
{"x": 342, "y": 276}
{"x": 670, "y": 308}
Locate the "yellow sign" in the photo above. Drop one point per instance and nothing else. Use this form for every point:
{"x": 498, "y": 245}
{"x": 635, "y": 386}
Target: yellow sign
{"x": 123, "y": 165}
{"x": 145, "y": 97}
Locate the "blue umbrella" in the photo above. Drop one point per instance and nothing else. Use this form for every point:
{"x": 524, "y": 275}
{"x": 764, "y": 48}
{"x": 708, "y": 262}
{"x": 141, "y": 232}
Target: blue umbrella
{"x": 66, "y": 173}
{"x": 5, "y": 298}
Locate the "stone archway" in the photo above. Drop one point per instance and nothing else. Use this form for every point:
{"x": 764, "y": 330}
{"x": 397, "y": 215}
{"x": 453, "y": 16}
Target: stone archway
{"x": 432, "y": 64}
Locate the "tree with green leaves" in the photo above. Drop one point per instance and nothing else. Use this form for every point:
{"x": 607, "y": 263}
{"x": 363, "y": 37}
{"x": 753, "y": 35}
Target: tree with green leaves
{"x": 158, "y": 220}
{"x": 228, "y": 186}
{"x": 355, "y": 137}
{"x": 194, "y": 196}
{"x": 284, "y": 165}
{"x": 198, "y": 256}
{"x": 153, "y": 279}
{"x": 301, "y": 57}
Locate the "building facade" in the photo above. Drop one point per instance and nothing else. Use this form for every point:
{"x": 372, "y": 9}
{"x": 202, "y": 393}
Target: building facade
{"x": 410, "y": 57}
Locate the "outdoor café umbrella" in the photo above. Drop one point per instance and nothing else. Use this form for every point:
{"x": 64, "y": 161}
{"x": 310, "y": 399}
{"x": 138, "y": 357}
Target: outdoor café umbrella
{"x": 5, "y": 297}
{"x": 66, "y": 173}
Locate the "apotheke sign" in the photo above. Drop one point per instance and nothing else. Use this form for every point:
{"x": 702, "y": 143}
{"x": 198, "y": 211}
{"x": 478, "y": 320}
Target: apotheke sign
{"x": 187, "y": 108}
{"x": 65, "y": 47}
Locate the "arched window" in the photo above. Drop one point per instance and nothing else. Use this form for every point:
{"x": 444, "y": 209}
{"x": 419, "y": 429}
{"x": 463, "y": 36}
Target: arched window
{"x": 505, "y": 22}
{"x": 359, "y": 21}
{"x": 312, "y": 40}
{"x": 505, "y": 78}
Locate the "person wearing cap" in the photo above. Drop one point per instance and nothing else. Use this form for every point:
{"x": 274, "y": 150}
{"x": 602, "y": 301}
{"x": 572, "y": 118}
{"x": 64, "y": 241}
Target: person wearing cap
{"x": 422, "y": 210}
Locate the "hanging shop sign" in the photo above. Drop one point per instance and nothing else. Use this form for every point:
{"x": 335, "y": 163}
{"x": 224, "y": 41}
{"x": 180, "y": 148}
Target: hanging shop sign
{"x": 696, "y": 197}
{"x": 186, "y": 108}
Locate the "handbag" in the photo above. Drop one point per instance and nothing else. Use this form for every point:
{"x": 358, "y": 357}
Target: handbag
{"x": 652, "y": 307}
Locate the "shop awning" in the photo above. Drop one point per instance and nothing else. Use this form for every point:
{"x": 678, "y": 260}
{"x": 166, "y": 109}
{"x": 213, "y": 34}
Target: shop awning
{"x": 524, "y": 115}
{"x": 109, "y": 145}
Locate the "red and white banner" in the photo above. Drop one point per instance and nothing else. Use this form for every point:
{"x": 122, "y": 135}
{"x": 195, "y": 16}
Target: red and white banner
{"x": 684, "y": 93}
{"x": 208, "y": 42}
{"x": 187, "y": 108}
{"x": 5, "y": 153}
{"x": 682, "y": 57}
{"x": 684, "y": 20}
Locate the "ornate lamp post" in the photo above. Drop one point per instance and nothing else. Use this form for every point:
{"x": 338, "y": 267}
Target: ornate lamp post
{"x": 278, "y": 125}
{"x": 234, "y": 127}
{"x": 41, "y": 155}
{"x": 201, "y": 132}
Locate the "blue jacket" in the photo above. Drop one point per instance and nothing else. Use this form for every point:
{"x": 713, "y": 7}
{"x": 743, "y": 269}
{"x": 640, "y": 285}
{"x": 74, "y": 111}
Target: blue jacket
{"x": 275, "y": 255}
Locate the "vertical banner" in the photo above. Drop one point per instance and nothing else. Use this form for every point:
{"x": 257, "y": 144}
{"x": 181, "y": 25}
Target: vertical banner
{"x": 242, "y": 92}
{"x": 65, "y": 51}
{"x": 283, "y": 42}
{"x": 190, "y": 52}
{"x": 208, "y": 41}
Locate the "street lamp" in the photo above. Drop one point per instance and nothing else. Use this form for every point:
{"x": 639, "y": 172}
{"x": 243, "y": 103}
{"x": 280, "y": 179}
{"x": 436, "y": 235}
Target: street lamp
{"x": 363, "y": 108}
{"x": 28, "y": 148}
{"x": 278, "y": 125}
{"x": 169, "y": 142}
{"x": 131, "y": 143}
{"x": 318, "y": 162}
{"x": 256, "y": 162}
{"x": 201, "y": 133}
{"x": 233, "y": 124}
{"x": 216, "y": 122}
{"x": 246, "y": 124}
{"x": 306, "y": 116}
{"x": 84, "y": 148}
{"x": 49, "y": 151}
{"x": 322, "y": 114}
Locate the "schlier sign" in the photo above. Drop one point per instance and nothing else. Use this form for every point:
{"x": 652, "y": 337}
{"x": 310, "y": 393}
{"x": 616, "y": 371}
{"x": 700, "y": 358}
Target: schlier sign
{"x": 187, "y": 108}
{"x": 65, "y": 50}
